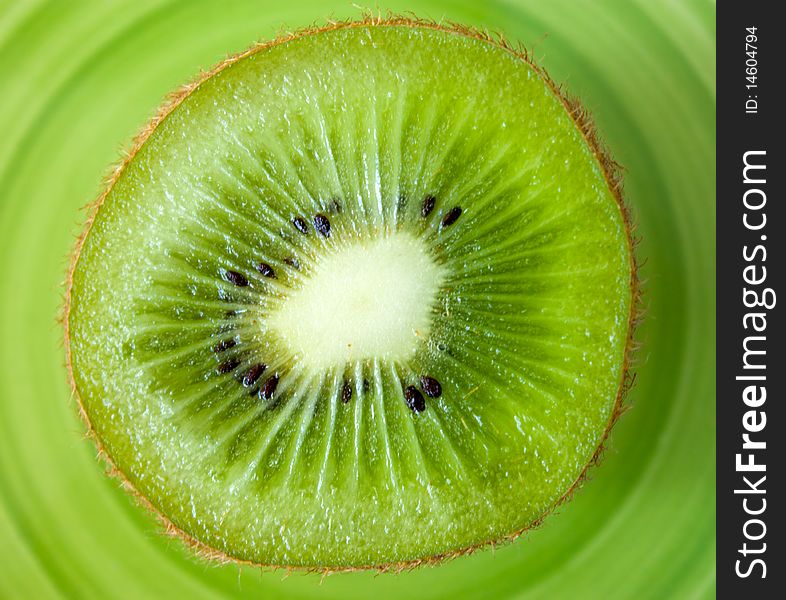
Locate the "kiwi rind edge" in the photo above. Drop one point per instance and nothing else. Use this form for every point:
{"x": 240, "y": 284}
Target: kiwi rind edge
{"x": 612, "y": 173}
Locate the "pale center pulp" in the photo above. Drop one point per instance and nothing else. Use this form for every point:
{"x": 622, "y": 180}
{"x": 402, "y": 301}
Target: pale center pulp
{"x": 369, "y": 299}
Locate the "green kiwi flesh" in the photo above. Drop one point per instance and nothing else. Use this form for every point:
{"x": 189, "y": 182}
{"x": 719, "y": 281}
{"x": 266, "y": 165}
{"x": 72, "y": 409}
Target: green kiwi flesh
{"x": 359, "y": 297}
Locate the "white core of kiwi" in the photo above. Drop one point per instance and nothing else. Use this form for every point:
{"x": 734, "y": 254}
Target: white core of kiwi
{"x": 369, "y": 299}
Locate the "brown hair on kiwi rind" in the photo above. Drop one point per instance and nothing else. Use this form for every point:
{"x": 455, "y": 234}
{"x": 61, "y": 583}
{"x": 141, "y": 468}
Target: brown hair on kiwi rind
{"x": 612, "y": 172}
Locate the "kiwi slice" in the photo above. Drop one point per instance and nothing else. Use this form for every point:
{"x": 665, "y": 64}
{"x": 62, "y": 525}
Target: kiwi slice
{"x": 359, "y": 297}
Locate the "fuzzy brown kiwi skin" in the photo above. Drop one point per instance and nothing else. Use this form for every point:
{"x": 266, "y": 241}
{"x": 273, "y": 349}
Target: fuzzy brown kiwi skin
{"x": 612, "y": 172}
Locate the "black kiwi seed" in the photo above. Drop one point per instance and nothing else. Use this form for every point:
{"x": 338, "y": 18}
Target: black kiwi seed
{"x": 414, "y": 399}
{"x": 267, "y": 389}
{"x": 266, "y": 270}
{"x": 292, "y": 262}
{"x": 235, "y": 278}
{"x": 428, "y": 206}
{"x": 224, "y": 345}
{"x": 335, "y": 206}
{"x": 300, "y": 224}
{"x": 452, "y": 216}
{"x": 227, "y": 366}
{"x": 430, "y": 386}
{"x": 366, "y": 386}
{"x": 346, "y": 392}
{"x": 254, "y": 373}
{"x": 322, "y": 225}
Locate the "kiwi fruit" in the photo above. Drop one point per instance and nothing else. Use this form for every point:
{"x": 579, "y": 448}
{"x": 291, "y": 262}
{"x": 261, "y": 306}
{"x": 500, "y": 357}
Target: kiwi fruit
{"x": 361, "y": 297}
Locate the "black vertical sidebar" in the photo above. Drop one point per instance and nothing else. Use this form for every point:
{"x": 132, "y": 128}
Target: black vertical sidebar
{"x": 751, "y": 263}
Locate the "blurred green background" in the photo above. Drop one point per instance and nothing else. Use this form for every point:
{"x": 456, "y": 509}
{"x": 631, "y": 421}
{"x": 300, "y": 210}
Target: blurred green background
{"x": 78, "y": 79}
